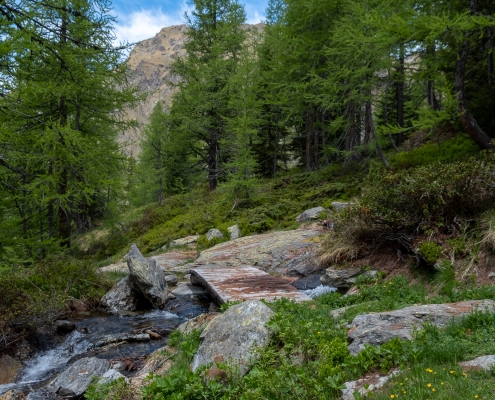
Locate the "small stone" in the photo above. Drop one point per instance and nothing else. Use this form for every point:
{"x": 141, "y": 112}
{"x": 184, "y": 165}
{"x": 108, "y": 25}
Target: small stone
{"x": 214, "y": 234}
{"x": 187, "y": 277}
{"x": 234, "y": 232}
{"x": 154, "y": 335}
{"x": 340, "y": 278}
{"x": 491, "y": 275}
{"x": 172, "y": 280}
{"x": 110, "y": 376}
{"x": 65, "y": 326}
{"x": 42, "y": 394}
{"x": 311, "y": 214}
{"x": 339, "y": 206}
{"x": 184, "y": 241}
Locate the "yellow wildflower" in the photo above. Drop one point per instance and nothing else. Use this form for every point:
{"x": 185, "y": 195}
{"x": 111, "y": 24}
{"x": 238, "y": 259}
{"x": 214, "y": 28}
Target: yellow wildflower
{"x": 429, "y": 385}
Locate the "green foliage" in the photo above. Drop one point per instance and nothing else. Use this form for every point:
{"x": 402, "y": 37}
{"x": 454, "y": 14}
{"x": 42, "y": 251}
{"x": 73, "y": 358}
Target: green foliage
{"x": 446, "y": 151}
{"x": 32, "y": 296}
{"x": 430, "y": 251}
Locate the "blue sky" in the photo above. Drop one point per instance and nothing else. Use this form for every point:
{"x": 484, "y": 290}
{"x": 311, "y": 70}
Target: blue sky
{"x": 139, "y": 20}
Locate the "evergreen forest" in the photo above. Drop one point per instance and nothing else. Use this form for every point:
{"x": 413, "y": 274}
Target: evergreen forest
{"x": 386, "y": 106}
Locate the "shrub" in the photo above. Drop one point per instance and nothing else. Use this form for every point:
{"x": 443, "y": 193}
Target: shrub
{"x": 397, "y": 206}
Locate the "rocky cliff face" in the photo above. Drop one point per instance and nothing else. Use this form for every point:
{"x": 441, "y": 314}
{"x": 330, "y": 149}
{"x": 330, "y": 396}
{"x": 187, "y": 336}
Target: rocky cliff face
{"x": 150, "y": 62}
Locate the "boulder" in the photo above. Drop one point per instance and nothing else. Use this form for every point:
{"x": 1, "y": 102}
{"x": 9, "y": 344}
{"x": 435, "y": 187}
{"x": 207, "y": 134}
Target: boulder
{"x": 199, "y": 322}
{"x": 147, "y": 278}
{"x": 159, "y": 362}
{"x": 234, "y": 232}
{"x": 110, "y": 376}
{"x": 42, "y": 394}
{"x": 127, "y": 337}
{"x": 234, "y": 336}
{"x": 120, "y": 268}
{"x": 378, "y": 328}
{"x": 75, "y": 380}
{"x": 339, "y": 206}
{"x": 64, "y": 326}
{"x": 290, "y": 253}
{"x": 121, "y": 298}
{"x": 484, "y": 363}
{"x": 309, "y": 215}
{"x": 185, "y": 289}
{"x": 214, "y": 234}
{"x": 340, "y": 278}
{"x": 13, "y": 395}
{"x": 184, "y": 241}
{"x": 9, "y": 368}
{"x": 172, "y": 279}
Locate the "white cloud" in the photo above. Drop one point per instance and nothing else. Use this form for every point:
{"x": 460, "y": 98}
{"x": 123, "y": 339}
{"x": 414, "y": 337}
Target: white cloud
{"x": 254, "y": 17}
{"x": 146, "y": 23}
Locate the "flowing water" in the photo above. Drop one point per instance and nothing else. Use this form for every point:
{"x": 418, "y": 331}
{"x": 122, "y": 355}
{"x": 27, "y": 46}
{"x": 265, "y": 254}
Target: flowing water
{"x": 82, "y": 341}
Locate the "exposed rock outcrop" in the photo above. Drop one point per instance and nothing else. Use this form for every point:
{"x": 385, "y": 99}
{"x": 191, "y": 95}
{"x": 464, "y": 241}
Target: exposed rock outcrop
{"x": 184, "y": 241}
{"x": 378, "y": 328}
{"x": 147, "y": 278}
{"x": 42, "y": 394}
{"x": 233, "y": 336}
{"x": 75, "y": 380}
{"x": 286, "y": 252}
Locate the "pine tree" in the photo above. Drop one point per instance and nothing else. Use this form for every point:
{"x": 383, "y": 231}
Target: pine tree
{"x": 61, "y": 111}
{"x": 214, "y": 39}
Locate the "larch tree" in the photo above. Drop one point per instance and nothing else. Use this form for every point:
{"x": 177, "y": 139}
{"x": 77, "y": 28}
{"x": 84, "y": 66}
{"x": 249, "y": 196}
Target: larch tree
{"x": 64, "y": 87}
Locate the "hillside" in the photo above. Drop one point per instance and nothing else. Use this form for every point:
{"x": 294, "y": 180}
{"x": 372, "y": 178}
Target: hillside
{"x": 150, "y": 62}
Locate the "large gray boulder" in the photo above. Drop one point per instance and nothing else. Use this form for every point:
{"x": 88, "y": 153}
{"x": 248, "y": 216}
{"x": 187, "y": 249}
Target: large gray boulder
{"x": 122, "y": 297}
{"x": 309, "y": 215}
{"x": 339, "y": 206}
{"x": 340, "y": 278}
{"x": 378, "y": 328}
{"x": 233, "y": 336}
{"x": 147, "y": 278}
{"x": 75, "y": 380}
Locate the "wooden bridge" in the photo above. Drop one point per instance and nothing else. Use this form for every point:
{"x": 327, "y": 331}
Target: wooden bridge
{"x": 243, "y": 283}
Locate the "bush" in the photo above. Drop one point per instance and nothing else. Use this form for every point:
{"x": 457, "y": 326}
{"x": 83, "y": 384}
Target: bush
{"x": 397, "y": 206}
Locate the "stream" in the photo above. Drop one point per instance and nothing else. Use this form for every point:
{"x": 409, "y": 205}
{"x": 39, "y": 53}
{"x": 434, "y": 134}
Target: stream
{"x": 84, "y": 340}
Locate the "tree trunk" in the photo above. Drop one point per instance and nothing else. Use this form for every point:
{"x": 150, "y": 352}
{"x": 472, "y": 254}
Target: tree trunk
{"x": 467, "y": 119}
{"x": 353, "y": 133}
{"x": 212, "y": 160}
{"x": 400, "y": 93}
{"x": 430, "y": 85}
{"x": 309, "y": 130}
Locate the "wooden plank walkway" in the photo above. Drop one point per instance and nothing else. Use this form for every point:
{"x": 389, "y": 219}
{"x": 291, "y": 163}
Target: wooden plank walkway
{"x": 244, "y": 283}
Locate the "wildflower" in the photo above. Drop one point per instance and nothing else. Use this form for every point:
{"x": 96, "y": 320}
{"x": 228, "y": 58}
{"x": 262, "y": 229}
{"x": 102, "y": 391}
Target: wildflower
{"x": 441, "y": 383}
{"x": 392, "y": 396}
{"x": 433, "y": 389}
{"x": 390, "y": 283}
{"x": 404, "y": 391}
{"x": 476, "y": 396}
{"x": 319, "y": 333}
{"x": 452, "y": 371}
{"x": 429, "y": 385}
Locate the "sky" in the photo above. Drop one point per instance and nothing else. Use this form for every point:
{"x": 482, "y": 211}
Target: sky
{"x": 139, "y": 20}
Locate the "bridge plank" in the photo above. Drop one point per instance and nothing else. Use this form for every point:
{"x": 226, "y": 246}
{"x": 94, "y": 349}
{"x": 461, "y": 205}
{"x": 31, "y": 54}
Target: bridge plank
{"x": 244, "y": 283}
